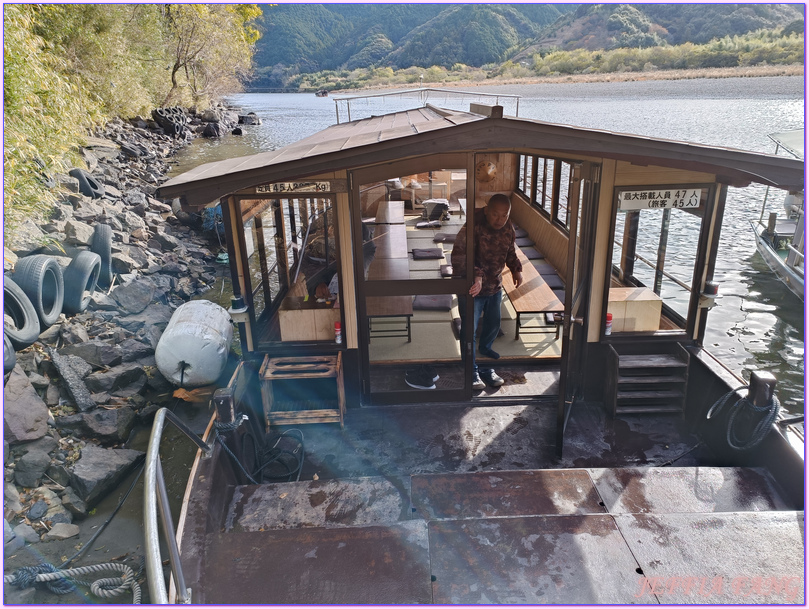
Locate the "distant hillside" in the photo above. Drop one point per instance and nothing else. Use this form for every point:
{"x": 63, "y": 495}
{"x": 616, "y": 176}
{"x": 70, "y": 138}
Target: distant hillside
{"x": 609, "y": 26}
{"x": 307, "y": 38}
{"x": 301, "y": 38}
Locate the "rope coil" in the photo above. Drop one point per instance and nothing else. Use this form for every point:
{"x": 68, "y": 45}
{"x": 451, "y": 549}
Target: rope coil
{"x": 741, "y": 413}
{"x": 62, "y": 581}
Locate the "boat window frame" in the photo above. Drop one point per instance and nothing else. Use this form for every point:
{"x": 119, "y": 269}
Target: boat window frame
{"x": 689, "y": 323}
{"x": 546, "y": 199}
{"x": 264, "y": 319}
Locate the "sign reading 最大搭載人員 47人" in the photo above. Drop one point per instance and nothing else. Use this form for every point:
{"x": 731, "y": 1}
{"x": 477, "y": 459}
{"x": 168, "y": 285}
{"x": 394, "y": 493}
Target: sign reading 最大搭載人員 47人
{"x": 284, "y": 187}
{"x": 666, "y": 198}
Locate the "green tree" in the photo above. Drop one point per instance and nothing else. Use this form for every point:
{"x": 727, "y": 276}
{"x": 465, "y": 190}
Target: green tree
{"x": 45, "y": 114}
{"x": 211, "y": 49}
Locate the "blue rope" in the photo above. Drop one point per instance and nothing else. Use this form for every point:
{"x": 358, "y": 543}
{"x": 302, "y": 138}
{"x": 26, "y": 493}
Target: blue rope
{"x": 25, "y": 577}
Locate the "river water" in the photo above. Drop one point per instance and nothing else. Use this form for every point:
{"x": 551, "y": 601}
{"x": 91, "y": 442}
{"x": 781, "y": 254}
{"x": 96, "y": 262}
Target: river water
{"x": 757, "y": 324}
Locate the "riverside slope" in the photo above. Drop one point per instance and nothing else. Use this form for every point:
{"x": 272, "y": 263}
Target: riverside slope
{"x": 74, "y": 397}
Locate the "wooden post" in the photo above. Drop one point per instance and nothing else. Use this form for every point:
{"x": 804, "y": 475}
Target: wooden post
{"x": 262, "y": 259}
{"x": 661, "y": 251}
{"x": 762, "y": 386}
{"x": 771, "y": 224}
{"x": 280, "y": 246}
{"x": 630, "y": 243}
{"x": 293, "y": 232}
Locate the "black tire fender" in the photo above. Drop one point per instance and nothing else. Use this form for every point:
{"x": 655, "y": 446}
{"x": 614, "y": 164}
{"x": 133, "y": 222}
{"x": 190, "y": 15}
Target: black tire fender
{"x": 102, "y": 245}
{"x": 88, "y": 185}
{"x": 9, "y": 355}
{"x": 23, "y": 329}
{"x": 40, "y": 277}
{"x": 81, "y": 277}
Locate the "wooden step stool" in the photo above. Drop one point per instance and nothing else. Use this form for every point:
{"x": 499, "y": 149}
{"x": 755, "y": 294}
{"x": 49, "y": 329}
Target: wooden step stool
{"x": 302, "y": 368}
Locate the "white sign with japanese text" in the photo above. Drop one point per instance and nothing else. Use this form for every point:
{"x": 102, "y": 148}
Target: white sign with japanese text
{"x": 672, "y": 198}
{"x": 284, "y": 187}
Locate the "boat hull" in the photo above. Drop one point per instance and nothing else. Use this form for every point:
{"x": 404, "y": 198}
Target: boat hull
{"x": 789, "y": 276}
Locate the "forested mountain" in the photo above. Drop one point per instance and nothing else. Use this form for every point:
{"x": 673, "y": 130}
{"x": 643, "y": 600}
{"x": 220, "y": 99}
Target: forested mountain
{"x": 608, "y": 26}
{"x": 311, "y": 37}
{"x": 306, "y": 38}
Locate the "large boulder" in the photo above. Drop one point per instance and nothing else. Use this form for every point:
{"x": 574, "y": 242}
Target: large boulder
{"x": 97, "y": 353}
{"x": 115, "y": 378}
{"x": 25, "y": 415}
{"x": 72, "y": 381}
{"x": 25, "y": 238}
{"x": 99, "y": 470}
{"x": 135, "y": 296}
{"x": 30, "y": 468}
{"x": 106, "y": 426}
{"x": 78, "y": 233}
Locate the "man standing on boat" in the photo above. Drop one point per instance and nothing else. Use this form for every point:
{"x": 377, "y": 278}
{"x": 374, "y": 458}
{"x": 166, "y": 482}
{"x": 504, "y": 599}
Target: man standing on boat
{"x": 494, "y": 238}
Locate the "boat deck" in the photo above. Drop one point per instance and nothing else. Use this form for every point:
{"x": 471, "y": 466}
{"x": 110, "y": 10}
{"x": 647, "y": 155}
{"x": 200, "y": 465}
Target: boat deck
{"x": 468, "y": 505}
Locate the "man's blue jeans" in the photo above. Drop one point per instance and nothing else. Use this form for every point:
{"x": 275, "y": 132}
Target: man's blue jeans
{"x": 487, "y": 312}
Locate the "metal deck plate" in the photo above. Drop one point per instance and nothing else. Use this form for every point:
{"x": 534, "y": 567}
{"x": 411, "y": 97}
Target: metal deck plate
{"x": 544, "y": 559}
{"x": 372, "y": 565}
{"x": 504, "y": 493}
{"x": 743, "y": 557}
{"x": 320, "y": 503}
{"x": 686, "y": 489}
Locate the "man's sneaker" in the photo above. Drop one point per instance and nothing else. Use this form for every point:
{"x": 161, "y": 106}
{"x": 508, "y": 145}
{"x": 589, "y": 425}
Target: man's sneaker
{"x": 477, "y": 383}
{"x": 430, "y": 372}
{"x": 491, "y": 379}
{"x": 418, "y": 378}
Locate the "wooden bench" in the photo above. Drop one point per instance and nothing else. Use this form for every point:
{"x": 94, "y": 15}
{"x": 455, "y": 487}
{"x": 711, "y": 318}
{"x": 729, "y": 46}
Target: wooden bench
{"x": 533, "y": 297}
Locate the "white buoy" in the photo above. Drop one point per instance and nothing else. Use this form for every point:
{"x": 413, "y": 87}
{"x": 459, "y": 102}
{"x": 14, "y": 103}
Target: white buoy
{"x": 193, "y": 350}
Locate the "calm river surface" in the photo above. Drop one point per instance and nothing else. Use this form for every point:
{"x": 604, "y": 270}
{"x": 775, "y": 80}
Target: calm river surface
{"x": 758, "y": 324}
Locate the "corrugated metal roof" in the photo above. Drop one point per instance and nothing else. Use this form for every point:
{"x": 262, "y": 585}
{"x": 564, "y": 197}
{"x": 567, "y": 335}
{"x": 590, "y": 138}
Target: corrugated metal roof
{"x": 431, "y": 130}
{"x": 334, "y": 139}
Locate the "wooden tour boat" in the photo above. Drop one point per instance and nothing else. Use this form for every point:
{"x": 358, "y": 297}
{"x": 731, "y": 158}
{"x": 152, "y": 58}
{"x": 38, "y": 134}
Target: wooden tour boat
{"x": 620, "y": 464}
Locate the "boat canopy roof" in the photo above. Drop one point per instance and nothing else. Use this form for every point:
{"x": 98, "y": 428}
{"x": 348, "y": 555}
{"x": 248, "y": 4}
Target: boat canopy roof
{"x": 791, "y": 141}
{"x": 433, "y": 130}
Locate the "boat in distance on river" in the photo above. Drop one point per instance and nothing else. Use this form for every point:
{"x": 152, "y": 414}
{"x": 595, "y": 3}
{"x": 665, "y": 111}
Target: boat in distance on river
{"x": 781, "y": 240}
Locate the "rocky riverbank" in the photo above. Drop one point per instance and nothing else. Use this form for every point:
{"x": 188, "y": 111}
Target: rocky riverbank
{"x": 75, "y": 395}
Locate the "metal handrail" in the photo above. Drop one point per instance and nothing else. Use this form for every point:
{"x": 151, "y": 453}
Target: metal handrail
{"x": 154, "y": 496}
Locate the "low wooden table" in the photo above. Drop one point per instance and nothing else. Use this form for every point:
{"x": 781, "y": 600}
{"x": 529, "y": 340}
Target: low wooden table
{"x": 533, "y": 297}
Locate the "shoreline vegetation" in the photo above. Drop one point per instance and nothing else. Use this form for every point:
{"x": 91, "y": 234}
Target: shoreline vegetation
{"x": 688, "y": 74}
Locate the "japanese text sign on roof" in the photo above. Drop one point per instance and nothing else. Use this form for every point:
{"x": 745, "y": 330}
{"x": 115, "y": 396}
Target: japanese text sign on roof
{"x": 284, "y": 187}
{"x": 668, "y": 198}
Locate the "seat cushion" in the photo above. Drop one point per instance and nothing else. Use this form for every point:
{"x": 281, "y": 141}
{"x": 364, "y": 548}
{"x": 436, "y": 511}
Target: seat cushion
{"x": 543, "y": 268}
{"x": 429, "y": 253}
{"x": 524, "y": 241}
{"x": 446, "y": 270}
{"x": 445, "y": 237}
{"x": 520, "y": 232}
{"x": 531, "y": 253}
{"x": 433, "y": 302}
{"x": 429, "y": 224}
{"x": 554, "y": 282}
